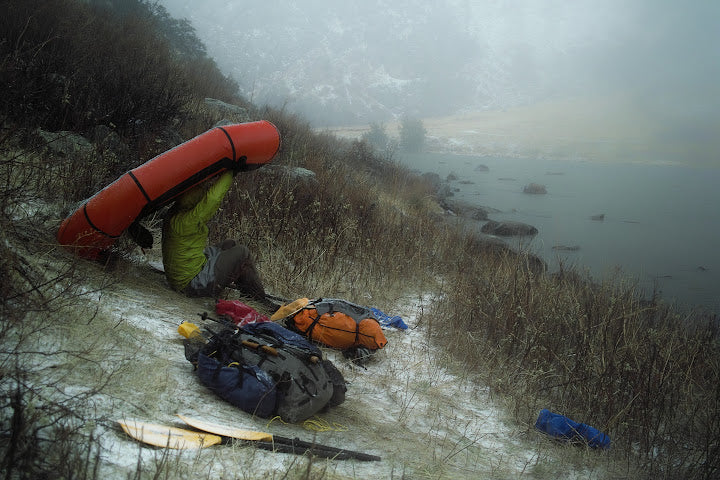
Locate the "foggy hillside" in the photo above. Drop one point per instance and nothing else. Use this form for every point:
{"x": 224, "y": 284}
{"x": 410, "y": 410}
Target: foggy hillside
{"x": 342, "y": 63}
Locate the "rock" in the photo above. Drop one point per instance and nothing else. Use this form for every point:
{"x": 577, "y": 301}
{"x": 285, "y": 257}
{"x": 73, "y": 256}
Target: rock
{"x": 508, "y": 229}
{"x": 167, "y": 138}
{"x": 65, "y": 143}
{"x": 598, "y": 218}
{"x": 445, "y": 191}
{"x": 433, "y": 179}
{"x": 452, "y": 177}
{"x": 467, "y": 210}
{"x": 224, "y": 108}
{"x": 478, "y": 213}
{"x": 294, "y": 174}
{"x": 482, "y": 168}
{"x": 567, "y": 248}
{"x": 535, "y": 188}
{"x": 488, "y": 245}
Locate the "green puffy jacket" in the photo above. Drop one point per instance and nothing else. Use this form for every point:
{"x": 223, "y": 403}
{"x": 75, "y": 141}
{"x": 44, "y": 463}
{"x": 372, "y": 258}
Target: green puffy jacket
{"x": 185, "y": 231}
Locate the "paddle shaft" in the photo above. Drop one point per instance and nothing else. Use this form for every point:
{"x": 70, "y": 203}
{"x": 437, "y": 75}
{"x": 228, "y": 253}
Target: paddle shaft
{"x": 300, "y": 447}
{"x": 276, "y": 443}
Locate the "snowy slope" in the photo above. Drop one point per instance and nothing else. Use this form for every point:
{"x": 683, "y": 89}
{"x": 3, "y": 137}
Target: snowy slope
{"x": 420, "y": 412}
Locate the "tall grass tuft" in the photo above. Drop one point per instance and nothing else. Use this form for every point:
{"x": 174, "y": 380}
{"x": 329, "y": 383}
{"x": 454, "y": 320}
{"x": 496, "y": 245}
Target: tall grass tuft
{"x": 636, "y": 369}
{"x": 358, "y": 227}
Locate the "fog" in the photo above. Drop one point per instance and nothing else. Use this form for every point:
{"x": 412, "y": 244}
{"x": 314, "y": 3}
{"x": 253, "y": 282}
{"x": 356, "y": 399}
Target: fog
{"x": 358, "y": 62}
{"x": 630, "y": 87}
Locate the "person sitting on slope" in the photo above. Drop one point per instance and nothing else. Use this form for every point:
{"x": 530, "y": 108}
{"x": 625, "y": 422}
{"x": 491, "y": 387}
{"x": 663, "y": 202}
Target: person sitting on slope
{"x": 195, "y": 269}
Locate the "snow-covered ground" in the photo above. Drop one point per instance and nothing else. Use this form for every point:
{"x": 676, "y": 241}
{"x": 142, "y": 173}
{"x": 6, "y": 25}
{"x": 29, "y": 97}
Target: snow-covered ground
{"x": 413, "y": 406}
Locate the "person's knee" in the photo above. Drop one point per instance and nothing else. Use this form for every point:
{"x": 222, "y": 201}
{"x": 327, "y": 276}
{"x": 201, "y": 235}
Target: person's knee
{"x": 227, "y": 244}
{"x": 239, "y": 254}
{"x": 233, "y": 263}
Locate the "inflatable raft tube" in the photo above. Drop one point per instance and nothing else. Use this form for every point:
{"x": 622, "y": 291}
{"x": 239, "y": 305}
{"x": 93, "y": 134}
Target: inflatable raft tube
{"x": 95, "y": 226}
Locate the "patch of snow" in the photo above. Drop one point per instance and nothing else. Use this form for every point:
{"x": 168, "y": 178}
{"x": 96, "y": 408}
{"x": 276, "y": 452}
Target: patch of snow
{"x": 411, "y": 405}
{"x": 406, "y": 391}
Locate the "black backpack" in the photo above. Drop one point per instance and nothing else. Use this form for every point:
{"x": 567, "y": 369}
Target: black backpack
{"x": 267, "y": 370}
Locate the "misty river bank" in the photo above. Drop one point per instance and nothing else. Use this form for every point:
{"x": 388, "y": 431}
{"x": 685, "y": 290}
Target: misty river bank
{"x": 660, "y": 224}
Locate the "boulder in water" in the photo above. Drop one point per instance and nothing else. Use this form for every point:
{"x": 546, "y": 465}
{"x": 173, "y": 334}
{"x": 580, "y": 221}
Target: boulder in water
{"x": 567, "y": 248}
{"x": 535, "y": 188}
{"x": 508, "y": 229}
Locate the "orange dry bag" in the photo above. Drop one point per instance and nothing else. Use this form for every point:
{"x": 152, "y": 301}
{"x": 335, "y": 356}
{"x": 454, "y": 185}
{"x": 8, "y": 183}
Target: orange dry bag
{"x": 338, "y": 323}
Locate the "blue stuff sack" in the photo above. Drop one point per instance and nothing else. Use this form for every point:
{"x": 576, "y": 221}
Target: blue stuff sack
{"x": 245, "y": 386}
{"x": 387, "y": 320}
{"x": 563, "y": 428}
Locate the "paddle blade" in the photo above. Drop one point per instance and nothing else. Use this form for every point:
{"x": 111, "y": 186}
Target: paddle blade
{"x": 168, "y": 437}
{"x": 226, "y": 431}
{"x": 289, "y": 309}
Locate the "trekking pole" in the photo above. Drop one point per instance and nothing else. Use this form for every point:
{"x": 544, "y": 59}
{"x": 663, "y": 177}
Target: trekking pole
{"x": 277, "y": 298}
{"x": 190, "y": 330}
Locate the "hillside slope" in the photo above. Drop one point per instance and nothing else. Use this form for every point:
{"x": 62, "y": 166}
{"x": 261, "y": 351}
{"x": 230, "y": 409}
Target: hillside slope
{"x": 116, "y": 354}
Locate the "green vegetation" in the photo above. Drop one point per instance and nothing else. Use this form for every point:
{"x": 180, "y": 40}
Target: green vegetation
{"x": 377, "y": 136}
{"x": 412, "y": 135}
{"x": 367, "y": 232}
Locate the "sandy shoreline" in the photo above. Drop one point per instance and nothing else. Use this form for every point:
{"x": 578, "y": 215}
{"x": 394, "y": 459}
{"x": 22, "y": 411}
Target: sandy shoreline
{"x": 603, "y": 130}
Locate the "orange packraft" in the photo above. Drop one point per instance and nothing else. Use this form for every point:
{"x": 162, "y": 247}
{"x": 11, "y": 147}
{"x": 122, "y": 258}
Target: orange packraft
{"x": 338, "y": 323}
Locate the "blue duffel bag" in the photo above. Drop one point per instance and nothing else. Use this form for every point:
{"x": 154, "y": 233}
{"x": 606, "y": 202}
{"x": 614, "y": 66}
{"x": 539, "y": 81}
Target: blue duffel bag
{"x": 245, "y": 386}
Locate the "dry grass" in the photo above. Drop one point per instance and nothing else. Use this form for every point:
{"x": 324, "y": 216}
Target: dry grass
{"x": 365, "y": 231}
{"x": 596, "y": 352}
{"x": 356, "y": 232}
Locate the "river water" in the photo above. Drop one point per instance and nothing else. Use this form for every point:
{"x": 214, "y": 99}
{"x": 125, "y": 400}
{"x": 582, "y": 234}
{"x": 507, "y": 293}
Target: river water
{"x": 661, "y": 223}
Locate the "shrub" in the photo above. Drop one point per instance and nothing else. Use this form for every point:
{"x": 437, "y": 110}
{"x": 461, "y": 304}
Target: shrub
{"x": 412, "y": 135}
{"x": 56, "y": 60}
{"x": 377, "y": 136}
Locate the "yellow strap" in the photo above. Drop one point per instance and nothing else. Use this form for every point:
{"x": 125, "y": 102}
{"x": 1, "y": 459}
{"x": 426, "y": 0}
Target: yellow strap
{"x": 318, "y": 424}
{"x": 276, "y": 417}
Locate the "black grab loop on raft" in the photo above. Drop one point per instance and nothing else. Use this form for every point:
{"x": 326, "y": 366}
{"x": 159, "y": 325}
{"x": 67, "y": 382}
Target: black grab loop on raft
{"x": 243, "y": 166}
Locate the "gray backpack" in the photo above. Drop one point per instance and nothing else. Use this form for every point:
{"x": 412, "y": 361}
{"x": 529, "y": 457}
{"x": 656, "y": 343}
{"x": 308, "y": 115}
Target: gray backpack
{"x": 268, "y": 370}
